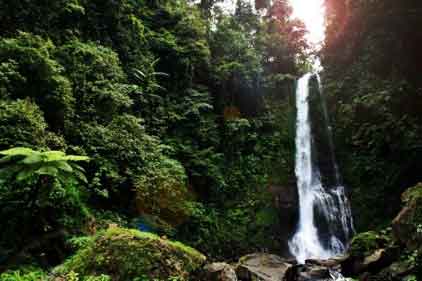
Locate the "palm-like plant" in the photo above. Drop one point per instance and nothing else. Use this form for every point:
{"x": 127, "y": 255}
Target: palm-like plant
{"x": 39, "y": 170}
{"x": 24, "y": 163}
{"x": 149, "y": 78}
{"x": 148, "y": 97}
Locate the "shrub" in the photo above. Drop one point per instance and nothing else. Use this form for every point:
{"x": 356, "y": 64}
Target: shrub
{"x": 40, "y": 77}
{"x": 365, "y": 243}
{"x": 24, "y": 274}
{"x": 21, "y": 124}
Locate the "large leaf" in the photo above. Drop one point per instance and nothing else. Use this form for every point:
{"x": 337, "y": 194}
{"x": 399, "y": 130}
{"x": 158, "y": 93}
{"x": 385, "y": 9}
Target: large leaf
{"x": 76, "y": 158}
{"x": 77, "y": 167}
{"x": 33, "y": 158}
{"x": 64, "y": 166}
{"x": 17, "y": 151}
{"x": 80, "y": 176}
{"x": 48, "y": 171}
{"x": 139, "y": 73}
{"x": 34, "y": 163}
{"x": 54, "y": 155}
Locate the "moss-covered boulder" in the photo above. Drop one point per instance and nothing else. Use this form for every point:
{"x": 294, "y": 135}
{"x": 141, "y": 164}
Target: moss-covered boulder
{"x": 366, "y": 243}
{"x": 370, "y": 252}
{"x": 407, "y": 226}
{"x": 125, "y": 254}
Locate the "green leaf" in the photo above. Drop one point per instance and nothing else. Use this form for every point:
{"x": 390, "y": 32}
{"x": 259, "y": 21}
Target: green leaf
{"x": 64, "y": 166}
{"x": 24, "y": 174}
{"x": 33, "y": 158}
{"x": 77, "y": 167}
{"x": 54, "y": 155}
{"x": 140, "y": 73}
{"x": 80, "y": 176}
{"x": 47, "y": 170}
{"x": 76, "y": 158}
{"x": 161, "y": 74}
{"x": 17, "y": 151}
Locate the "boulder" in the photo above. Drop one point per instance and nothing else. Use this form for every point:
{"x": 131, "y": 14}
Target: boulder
{"x": 308, "y": 272}
{"x": 263, "y": 267}
{"x": 332, "y": 263}
{"x": 219, "y": 271}
{"x": 381, "y": 258}
{"x": 285, "y": 200}
{"x": 126, "y": 254}
{"x": 398, "y": 270}
{"x": 405, "y": 225}
{"x": 365, "y": 243}
{"x": 369, "y": 252}
{"x": 373, "y": 263}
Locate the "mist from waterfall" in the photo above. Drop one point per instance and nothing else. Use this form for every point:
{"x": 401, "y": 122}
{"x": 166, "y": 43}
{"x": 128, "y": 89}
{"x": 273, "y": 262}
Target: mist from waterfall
{"x": 318, "y": 205}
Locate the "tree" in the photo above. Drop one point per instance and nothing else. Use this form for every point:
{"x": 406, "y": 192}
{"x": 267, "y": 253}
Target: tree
{"x": 206, "y": 7}
{"x": 31, "y": 131}
{"x": 40, "y": 77}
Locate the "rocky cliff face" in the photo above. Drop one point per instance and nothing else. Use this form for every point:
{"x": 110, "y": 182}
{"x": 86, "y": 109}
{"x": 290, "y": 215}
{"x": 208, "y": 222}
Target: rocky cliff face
{"x": 322, "y": 147}
{"x": 285, "y": 200}
{"x": 394, "y": 253}
{"x": 407, "y": 226}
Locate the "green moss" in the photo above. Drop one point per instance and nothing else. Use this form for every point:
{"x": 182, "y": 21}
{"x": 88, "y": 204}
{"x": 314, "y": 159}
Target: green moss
{"x": 24, "y": 274}
{"x": 125, "y": 254}
{"x": 364, "y": 243}
{"x": 408, "y": 224}
{"x": 412, "y": 193}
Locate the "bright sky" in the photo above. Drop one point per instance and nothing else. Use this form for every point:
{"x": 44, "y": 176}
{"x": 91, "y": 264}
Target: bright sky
{"x": 312, "y": 13}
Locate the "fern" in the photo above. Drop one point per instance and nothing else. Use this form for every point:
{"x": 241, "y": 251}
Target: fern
{"x": 23, "y": 164}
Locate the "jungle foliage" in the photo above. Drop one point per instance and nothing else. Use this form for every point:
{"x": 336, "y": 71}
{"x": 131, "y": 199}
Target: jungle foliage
{"x": 182, "y": 109}
{"x": 372, "y": 62}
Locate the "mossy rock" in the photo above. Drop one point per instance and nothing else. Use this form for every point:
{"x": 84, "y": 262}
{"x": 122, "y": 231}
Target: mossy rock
{"x": 412, "y": 193}
{"x": 408, "y": 223}
{"x": 126, "y": 254}
{"x": 365, "y": 243}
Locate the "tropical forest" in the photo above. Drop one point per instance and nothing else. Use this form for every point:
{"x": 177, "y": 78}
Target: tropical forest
{"x": 210, "y": 140}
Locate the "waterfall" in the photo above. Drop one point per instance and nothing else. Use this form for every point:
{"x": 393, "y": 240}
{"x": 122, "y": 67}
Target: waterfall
{"x": 318, "y": 205}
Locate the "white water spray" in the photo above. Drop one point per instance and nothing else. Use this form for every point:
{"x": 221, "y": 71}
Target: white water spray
{"x": 331, "y": 204}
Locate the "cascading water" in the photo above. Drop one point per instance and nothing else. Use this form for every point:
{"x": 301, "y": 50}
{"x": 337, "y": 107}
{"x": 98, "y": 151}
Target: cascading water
{"x": 318, "y": 205}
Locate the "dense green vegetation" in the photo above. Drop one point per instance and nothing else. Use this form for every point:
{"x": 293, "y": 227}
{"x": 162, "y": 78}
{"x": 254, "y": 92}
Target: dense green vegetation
{"x": 372, "y": 63}
{"x": 182, "y": 109}
{"x": 122, "y": 118}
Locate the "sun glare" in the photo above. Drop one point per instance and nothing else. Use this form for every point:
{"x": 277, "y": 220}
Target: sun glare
{"x": 312, "y": 13}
